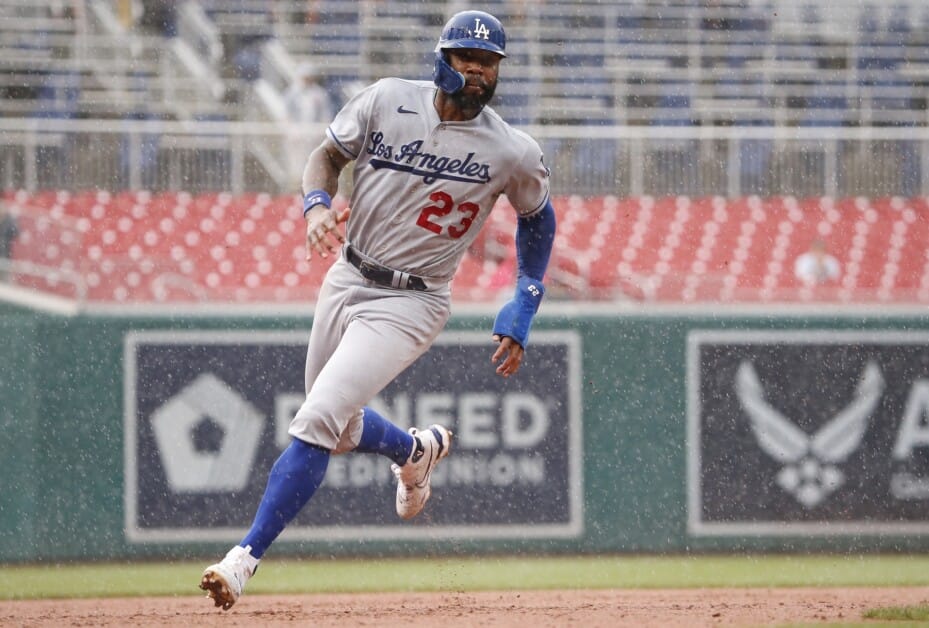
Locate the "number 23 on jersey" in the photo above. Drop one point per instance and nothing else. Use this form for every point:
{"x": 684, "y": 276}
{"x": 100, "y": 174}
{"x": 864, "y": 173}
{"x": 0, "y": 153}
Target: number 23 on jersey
{"x": 442, "y": 206}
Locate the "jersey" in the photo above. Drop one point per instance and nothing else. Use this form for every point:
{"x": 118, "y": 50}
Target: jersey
{"x": 423, "y": 188}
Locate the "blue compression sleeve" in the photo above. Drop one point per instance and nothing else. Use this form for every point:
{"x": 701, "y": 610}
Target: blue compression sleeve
{"x": 380, "y": 436}
{"x": 534, "y": 238}
{"x": 294, "y": 478}
{"x": 515, "y": 317}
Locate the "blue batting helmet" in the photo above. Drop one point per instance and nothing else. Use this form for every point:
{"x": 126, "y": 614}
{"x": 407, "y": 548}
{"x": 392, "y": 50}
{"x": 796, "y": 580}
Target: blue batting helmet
{"x": 468, "y": 29}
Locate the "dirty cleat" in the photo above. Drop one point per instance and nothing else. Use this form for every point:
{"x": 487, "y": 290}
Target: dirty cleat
{"x": 225, "y": 580}
{"x": 413, "y": 477}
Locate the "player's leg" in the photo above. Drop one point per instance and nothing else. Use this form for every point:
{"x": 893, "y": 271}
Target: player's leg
{"x": 380, "y": 436}
{"x": 398, "y": 329}
{"x": 300, "y": 469}
{"x": 340, "y": 377}
{"x": 379, "y": 332}
{"x": 380, "y": 342}
{"x": 293, "y": 478}
{"x": 415, "y": 455}
{"x": 337, "y": 307}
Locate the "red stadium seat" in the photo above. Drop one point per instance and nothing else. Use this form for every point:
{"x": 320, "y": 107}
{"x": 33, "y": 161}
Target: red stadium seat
{"x": 133, "y": 247}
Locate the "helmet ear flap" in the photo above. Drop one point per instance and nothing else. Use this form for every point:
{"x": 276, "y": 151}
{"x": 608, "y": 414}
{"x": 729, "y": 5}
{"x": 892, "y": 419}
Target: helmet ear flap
{"x": 446, "y": 78}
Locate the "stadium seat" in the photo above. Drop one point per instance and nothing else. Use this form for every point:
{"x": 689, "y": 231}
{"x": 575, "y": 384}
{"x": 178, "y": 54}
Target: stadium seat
{"x": 142, "y": 247}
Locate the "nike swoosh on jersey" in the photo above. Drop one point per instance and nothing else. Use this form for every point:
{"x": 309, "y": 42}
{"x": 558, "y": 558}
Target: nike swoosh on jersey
{"x": 400, "y": 109}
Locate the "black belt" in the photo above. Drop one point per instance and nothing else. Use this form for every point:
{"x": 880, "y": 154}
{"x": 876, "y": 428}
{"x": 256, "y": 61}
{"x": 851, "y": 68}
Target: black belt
{"x": 382, "y": 275}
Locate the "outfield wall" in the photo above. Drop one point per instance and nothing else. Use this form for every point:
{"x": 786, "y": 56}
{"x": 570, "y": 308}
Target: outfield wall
{"x": 132, "y": 437}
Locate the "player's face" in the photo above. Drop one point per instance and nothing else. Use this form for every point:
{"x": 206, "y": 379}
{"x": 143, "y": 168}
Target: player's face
{"x": 480, "y": 69}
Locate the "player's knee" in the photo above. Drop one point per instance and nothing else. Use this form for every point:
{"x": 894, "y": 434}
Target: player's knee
{"x": 314, "y": 428}
{"x": 338, "y": 431}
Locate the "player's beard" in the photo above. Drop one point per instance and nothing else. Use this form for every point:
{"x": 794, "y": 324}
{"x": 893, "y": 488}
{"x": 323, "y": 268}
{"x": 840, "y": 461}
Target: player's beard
{"x": 470, "y": 102}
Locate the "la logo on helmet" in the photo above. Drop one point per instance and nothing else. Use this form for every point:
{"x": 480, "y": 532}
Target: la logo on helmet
{"x": 480, "y": 30}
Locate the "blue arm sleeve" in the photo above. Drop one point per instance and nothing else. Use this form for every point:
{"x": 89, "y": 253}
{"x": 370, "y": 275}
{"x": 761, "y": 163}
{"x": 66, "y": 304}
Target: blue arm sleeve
{"x": 534, "y": 238}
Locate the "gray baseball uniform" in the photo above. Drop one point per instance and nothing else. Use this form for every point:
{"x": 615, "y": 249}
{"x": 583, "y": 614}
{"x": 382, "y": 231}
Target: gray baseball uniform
{"x": 422, "y": 191}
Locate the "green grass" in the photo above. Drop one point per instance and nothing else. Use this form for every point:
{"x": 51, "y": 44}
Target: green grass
{"x": 865, "y": 623}
{"x": 471, "y": 574}
{"x": 896, "y": 613}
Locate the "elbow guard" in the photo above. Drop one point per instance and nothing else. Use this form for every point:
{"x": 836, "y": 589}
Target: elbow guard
{"x": 515, "y": 317}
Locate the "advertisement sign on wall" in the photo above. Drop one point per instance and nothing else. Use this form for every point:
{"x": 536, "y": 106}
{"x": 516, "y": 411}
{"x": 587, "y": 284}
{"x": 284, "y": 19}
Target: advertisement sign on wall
{"x": 808, "y": 432}
{"x": 206, "y": 415}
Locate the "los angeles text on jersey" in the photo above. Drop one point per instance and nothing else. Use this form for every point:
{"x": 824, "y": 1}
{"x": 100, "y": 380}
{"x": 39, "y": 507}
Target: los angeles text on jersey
{"x": 410, "y": 158}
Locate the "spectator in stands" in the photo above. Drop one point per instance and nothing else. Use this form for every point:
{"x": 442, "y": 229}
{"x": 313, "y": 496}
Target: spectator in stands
{"x": 8, "y": 232}
{"x": 309, "y": 109}
{"x": 817, "y": 266}
{"x": 312, "y": 12}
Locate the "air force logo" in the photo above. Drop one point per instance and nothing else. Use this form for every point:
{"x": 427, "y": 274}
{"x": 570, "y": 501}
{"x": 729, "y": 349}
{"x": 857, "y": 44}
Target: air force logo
{"x": 809, "y": 473}
{"x": 808, "y": 432}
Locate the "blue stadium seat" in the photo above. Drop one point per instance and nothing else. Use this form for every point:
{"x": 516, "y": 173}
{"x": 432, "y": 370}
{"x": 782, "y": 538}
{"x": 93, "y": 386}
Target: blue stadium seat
{"x": 825, "y": 105}
{"x": 673, "y": 104}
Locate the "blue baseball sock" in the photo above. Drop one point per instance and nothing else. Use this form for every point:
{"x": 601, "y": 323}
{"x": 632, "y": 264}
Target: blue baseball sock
{"x": 380, "y": 436}
{"x": 293, "y": 479}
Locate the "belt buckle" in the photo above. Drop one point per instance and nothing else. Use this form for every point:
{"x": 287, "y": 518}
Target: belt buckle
{"x": 366, "y": 268}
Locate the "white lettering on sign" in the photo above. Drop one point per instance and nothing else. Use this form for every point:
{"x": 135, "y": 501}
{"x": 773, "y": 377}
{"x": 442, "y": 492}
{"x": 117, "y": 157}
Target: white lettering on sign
{"x": 501, "y": 469}
{"x": 479, "y": 420}
{"x": 513, "y": 423}
{"x": 358, "y": 472}
{"x": 462, "y": 469}
{"x": 400, "y": 413}
{"x": 434, "y": 408}
{"x": 914, "y": 427}
{"x": 908, "y": 486}
{"x": 285, "y": 407}
{"x": 525, "y": 421}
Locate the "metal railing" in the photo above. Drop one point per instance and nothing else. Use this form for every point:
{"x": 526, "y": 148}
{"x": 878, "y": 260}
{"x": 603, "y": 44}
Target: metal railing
{"x": 238, "y": 157}
{"x": 570, "y": 62}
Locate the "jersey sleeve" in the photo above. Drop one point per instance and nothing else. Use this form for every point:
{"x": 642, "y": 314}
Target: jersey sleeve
{"x": 350, "y": 125}
{"x": 528, "y": 186}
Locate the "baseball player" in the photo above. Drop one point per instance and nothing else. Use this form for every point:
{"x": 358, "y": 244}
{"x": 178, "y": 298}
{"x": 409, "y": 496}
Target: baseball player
{"x": 431, "y": 159}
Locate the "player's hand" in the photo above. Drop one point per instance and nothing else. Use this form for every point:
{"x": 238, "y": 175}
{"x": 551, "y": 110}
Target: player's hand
{"x": 322, "y": 234}
{"x": 511, "y": 354}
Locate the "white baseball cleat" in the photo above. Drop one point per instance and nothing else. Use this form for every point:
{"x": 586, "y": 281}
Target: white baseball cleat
{"x": 225, "y": 581}
{"x": 413, "y": 477}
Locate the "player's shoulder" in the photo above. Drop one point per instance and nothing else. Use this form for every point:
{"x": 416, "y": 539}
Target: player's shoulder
{"x": 396, "y": 85}
{"x": 390, "y": 92}
{"x": 514, "y": 136}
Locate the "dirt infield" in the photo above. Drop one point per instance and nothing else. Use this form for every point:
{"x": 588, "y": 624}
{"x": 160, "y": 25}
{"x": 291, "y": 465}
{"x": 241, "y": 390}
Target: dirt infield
{"x": 532, "y": 609}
